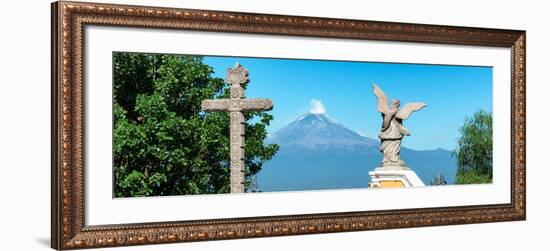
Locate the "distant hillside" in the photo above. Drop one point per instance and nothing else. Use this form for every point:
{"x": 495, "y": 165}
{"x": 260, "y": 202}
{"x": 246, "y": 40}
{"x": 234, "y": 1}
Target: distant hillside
{"x": 319, "y": 153}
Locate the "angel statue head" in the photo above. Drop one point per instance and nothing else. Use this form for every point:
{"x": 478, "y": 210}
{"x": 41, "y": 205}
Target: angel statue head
{"x": 395, "y": 103}
{"x": 393, "y": 131}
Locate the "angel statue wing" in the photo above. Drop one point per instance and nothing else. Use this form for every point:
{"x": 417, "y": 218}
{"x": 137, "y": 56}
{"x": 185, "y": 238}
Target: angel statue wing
{"x": 382, "y": 103}
{"x": 406, "y": 111}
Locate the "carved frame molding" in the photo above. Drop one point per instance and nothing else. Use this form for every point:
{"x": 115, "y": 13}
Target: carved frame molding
{"x": 68, "y": 229}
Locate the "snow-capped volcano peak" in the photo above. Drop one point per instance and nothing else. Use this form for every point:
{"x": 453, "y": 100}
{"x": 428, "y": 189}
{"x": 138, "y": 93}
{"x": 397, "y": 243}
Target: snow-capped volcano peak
{"x": 312, "y": 117}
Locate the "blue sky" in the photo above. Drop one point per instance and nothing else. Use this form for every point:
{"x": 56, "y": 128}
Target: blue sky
{"x": 344, "y": 90}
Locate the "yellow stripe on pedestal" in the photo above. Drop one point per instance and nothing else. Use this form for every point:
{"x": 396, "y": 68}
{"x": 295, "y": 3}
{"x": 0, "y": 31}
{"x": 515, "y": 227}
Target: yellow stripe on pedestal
{"x": 391, "y": 183}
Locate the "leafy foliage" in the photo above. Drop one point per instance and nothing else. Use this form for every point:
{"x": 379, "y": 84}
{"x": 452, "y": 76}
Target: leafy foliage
{"x": 163, "y": 143}
{"x": 474, "y": 154}
{"x": 471, "y": 177}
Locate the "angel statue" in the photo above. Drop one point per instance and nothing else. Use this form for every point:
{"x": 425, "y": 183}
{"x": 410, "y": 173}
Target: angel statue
{"x": 393, "y": 131}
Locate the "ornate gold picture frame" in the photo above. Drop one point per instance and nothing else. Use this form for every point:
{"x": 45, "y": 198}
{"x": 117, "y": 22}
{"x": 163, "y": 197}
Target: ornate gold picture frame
{"x": 68, "y": 228}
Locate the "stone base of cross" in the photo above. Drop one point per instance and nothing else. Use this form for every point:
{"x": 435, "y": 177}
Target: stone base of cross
{"x": 237, "y": 76}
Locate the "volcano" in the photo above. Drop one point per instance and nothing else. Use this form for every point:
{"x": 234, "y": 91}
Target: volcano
{"x": 316, "y": 152}
{"x": 317, "y": 131}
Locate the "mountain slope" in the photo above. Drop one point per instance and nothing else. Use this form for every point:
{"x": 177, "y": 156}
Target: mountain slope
{"x": 319, "y": 153}
{"x": 314, "y": 131}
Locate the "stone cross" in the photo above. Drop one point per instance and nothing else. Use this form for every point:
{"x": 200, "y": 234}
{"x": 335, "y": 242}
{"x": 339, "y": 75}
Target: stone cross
{"x": 236, "y": 76}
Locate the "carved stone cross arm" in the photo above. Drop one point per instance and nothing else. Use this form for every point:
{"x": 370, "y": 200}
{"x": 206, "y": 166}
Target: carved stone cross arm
{"x": 233, "y": 105}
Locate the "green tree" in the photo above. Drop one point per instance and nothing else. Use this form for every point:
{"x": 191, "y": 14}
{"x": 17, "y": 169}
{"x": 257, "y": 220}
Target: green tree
{"x": 474, "y": 154}
{"x": 163, "y": 143}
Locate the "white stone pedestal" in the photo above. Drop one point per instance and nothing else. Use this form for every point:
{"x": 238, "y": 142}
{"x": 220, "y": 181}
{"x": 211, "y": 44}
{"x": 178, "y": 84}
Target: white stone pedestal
{"x": 394, "y": 176}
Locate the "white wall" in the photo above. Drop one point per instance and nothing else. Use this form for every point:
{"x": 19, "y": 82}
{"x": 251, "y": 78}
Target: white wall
{"x": 25, "y": 124}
